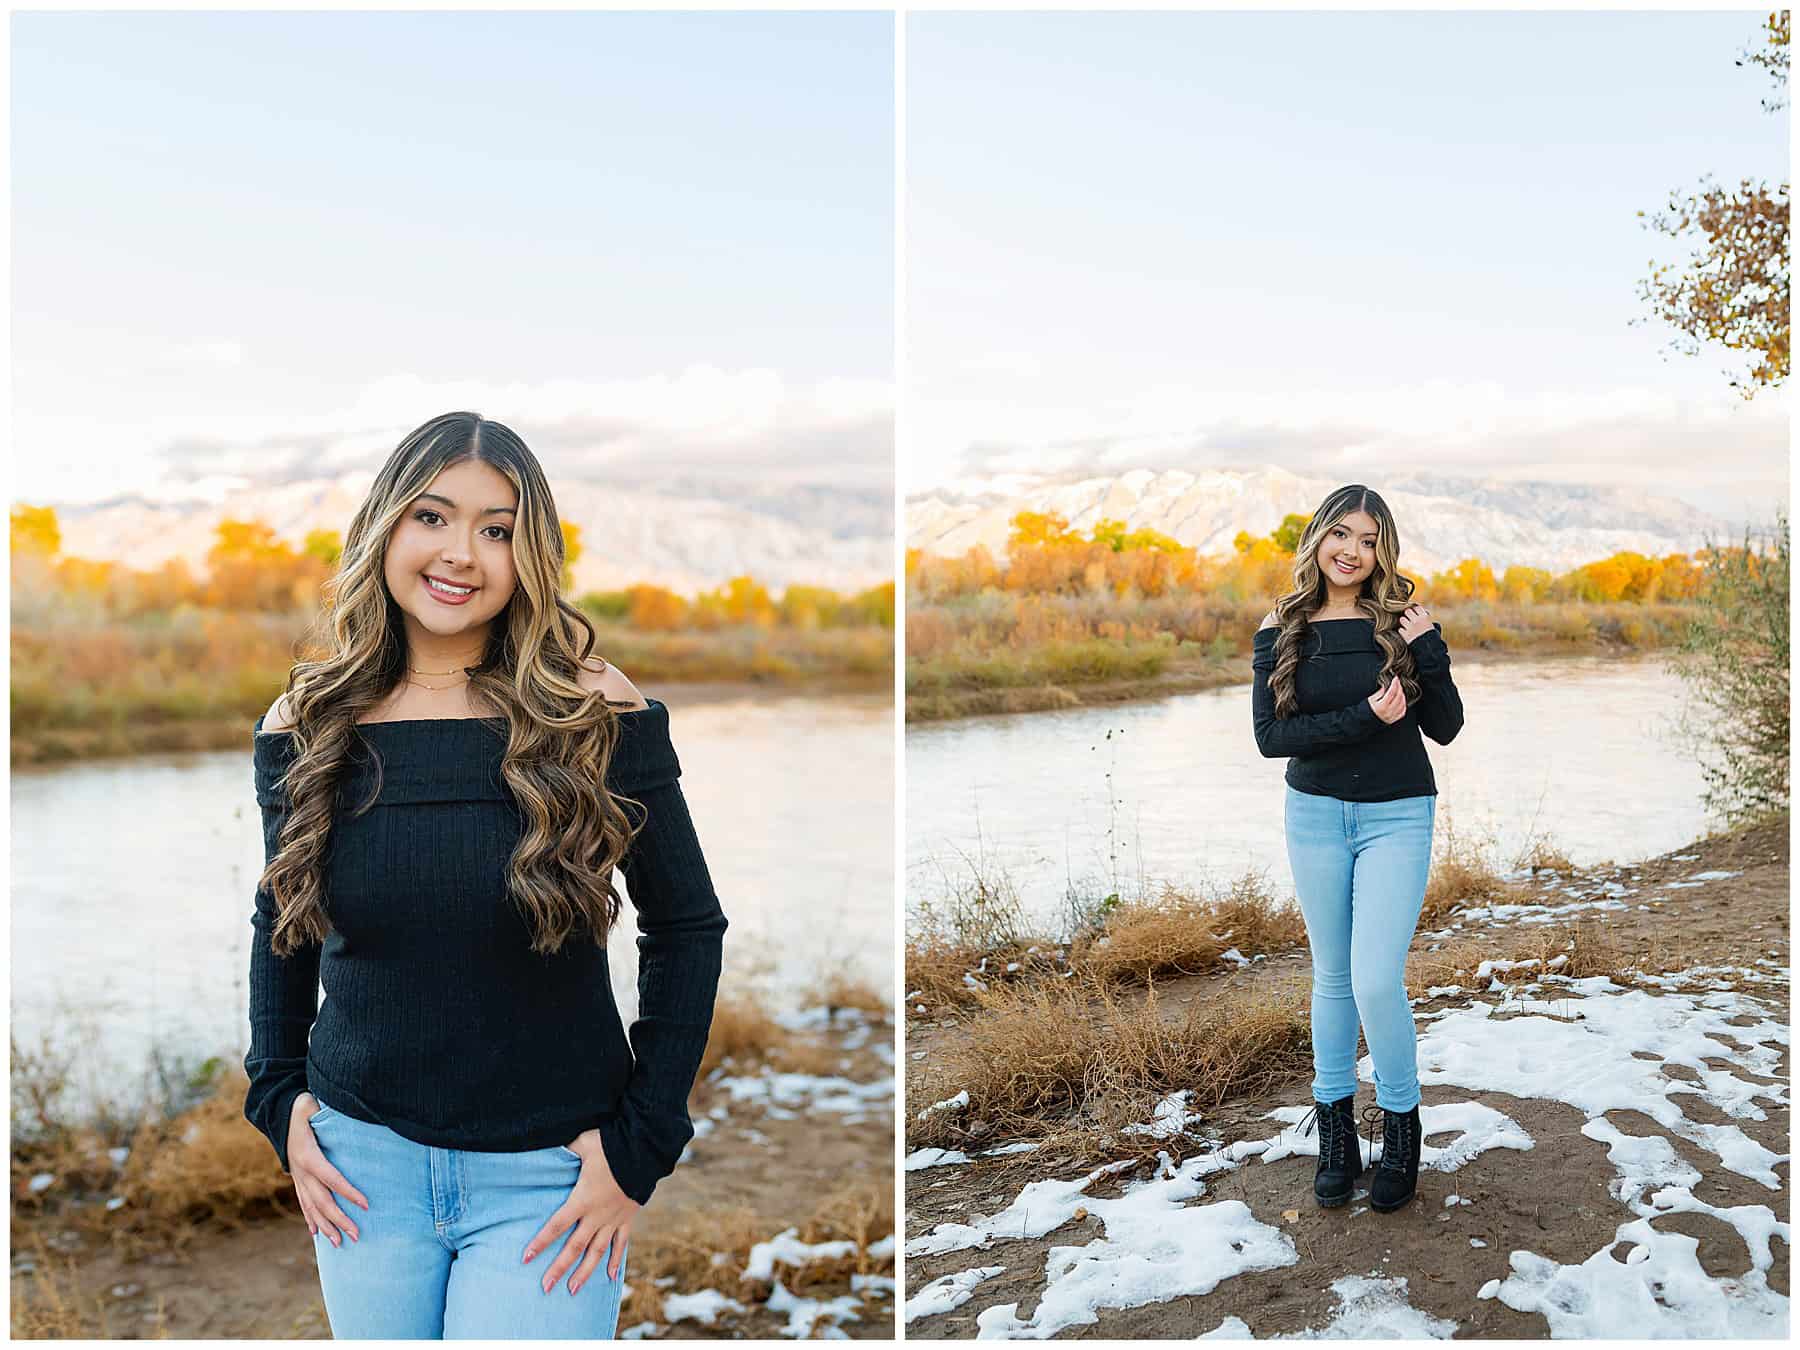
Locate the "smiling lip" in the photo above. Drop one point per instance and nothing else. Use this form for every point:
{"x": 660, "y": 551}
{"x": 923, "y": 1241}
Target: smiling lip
{"x": 441, "y": 597}
{"x": 1342, "y": 568}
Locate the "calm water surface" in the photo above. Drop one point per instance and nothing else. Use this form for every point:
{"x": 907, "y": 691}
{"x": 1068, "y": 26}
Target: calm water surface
{"x": 1118, "y": 798}
{"x": 133, "y": 880}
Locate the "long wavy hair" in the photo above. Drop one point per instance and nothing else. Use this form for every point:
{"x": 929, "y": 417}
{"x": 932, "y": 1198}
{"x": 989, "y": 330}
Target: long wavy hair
{"x": 1384, "y": 596}
{"x": 560, "y": 737}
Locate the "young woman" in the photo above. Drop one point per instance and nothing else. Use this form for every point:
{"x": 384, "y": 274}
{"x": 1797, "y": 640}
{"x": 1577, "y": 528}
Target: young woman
{"x": 445, "y": 793}
{"x": 1348, "y": 672}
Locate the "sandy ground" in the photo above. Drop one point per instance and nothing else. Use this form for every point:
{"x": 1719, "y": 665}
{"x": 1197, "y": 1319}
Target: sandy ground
{"x": 260, "y": 1280}
{"x": 1553, "y": 1199}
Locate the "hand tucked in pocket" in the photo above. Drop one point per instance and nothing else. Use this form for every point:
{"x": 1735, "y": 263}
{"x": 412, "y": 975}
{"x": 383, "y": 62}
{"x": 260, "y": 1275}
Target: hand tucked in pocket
{"x": 315, "y": 1178}
{"x": 599, "y": 1213}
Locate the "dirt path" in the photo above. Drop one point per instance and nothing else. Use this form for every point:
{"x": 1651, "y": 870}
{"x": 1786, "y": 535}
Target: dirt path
{"x": 259, "y": 1281}
{"x": 1561, "y": 1199}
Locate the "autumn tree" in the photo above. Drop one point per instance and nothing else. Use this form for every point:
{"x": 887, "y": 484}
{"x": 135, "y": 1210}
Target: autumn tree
{"x": 35, "y": 531}
{"x": 1735, "y": 657}
{"x": 1287, "y": 535}
{"x": 1732, "y": 289}
{"x": 1039, "y": 528}
{"x": 1470, "y": 579}
{"x": 325, "y": 545}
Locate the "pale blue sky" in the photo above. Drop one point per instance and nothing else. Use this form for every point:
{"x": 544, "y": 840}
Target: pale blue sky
{"x": 1321, "y": 240}
{"x": 640, "y": 238}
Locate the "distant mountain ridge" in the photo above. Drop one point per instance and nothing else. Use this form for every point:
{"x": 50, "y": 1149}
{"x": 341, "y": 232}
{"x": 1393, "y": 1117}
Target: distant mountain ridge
{"x": 1442, "y": 518}
{"x": 810, "y": 534}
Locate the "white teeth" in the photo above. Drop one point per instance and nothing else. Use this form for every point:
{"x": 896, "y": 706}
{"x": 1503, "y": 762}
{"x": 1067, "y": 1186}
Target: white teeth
{"x": 447, "y": 590}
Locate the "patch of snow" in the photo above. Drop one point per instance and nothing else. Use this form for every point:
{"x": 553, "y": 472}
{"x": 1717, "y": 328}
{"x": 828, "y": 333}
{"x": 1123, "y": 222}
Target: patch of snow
{"x": 804, "y": 1314}
{"x": 703, "y": 1307}
{"x": 919, "y": 1159}
{"x": 1375, "y": 1308}
{"x": 1659, "y": 1291}
{"x": 955, "y": 1103}
{"x": 1578, "y": 1050}
{"x": 810, "y": 1093}
{"x": 1170, "y": 1118}
{"x": 947, "y": 1292}
{"x": 785, "y": 1248}
{"x": 1156, "y": 1248}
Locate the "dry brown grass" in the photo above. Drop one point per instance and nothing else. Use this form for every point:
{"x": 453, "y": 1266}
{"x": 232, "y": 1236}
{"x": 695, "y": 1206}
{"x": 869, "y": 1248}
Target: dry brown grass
{"x": 1180, "y": 933}
{"x": 943, "y": 974}
{"x": 206, "y": 1166}
{"x": 710, "y": 1250}
{"x": 835, "y": 989}
{"x": 1544, "y": 855}
{"x": 1072, "y": 1059}
{"x": 1586, "y": 948}
{"x": 1174, "y": 933}
{"x": 49, "y": 1302}
{"x": 1462, "y": 877}
{"x": 742, "y": 1031}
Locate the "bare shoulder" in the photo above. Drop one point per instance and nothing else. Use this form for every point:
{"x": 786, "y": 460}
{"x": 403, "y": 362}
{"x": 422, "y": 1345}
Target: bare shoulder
{"x": 612, "y": 684}
{"x": 1268, "y": 621}
{"x": 277, "y": 718}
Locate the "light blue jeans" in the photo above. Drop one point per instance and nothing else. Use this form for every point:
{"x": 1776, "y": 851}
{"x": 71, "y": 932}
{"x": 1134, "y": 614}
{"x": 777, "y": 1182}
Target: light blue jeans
{"x": 441, "y": 1242}
{"x": 1359, "y": 874}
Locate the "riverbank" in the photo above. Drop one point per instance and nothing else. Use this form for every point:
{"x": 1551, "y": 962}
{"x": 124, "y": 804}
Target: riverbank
{"x": 1102, "y": 1137}
{"x": 778, "y": 1222}
{"x": 1043, "y": 653}
{"x": 47, "y": 747}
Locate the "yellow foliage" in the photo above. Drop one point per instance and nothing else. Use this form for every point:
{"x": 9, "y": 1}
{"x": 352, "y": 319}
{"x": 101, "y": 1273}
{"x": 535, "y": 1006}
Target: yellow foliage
{"x": 34, "y": 530}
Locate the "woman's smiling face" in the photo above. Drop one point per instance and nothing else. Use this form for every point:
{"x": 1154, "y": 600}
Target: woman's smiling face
{"x": 1347, "y": 552}
{"x": 458, "y": 531}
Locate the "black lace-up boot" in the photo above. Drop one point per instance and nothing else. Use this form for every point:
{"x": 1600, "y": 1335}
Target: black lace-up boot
{"x": 1396, "y": 1176}
{"x": 1340, "y": 1158}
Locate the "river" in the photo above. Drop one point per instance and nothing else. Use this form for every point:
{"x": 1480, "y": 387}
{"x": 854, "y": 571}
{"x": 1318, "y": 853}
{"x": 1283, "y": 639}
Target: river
{"x": 133, "y": 880}
{"x": 1118, "y": 799}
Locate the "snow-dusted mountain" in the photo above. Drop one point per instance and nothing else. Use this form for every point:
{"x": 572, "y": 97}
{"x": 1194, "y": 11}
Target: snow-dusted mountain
{"x": 1442, "y": 519}
{"x": 820, "y": 535}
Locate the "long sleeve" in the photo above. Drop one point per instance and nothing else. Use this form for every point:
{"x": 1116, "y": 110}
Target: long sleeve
{"x": 284, "y": 994}
{"x": 1303, "y": 733}
{"x": 681, "y": 930}
{"x": 1440, "y": 710}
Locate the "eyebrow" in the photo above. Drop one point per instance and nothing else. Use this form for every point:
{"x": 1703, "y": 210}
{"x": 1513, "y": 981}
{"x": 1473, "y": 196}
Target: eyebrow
{"x": 491, "y": 511}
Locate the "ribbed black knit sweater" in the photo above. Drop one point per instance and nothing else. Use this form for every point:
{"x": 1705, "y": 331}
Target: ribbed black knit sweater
{"x": 1335, "y": 743}
{"x": 438, "y": 1019}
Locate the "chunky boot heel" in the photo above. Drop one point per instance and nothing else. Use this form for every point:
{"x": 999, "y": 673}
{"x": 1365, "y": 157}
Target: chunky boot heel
{"x": 1340, "y": 1158}
{"x": 1396, "y": 1176}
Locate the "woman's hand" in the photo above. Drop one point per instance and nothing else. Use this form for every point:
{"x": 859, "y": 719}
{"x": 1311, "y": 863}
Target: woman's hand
{"x": 1390, "y": 703}
{"x": 315, "y": 1178}
{"x": 1414, "y": 621}
{"x": 598, "y": 1211}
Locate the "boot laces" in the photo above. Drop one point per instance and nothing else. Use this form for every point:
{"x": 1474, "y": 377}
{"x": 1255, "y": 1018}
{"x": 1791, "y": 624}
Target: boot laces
{"x": 1396, "y": 1136}
{"x": 1333, "y": 1140}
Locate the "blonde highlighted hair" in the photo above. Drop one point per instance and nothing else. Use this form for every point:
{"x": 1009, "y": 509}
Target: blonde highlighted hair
{"x": 560, "y": 736}
{"x": 1385, "y": 595}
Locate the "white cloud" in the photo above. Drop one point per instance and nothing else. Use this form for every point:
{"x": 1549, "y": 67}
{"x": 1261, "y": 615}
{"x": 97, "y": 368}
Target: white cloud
{"x": 1480, "y": 427}
{"x": 701, "y": 420}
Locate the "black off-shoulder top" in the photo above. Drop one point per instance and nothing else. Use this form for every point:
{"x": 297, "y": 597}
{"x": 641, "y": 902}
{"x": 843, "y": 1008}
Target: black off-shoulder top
{"x": 1335, "y": 744}
{"x": 438, "y": 1020}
